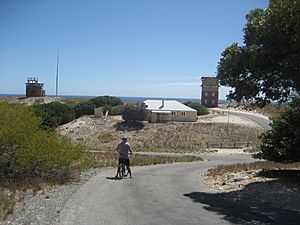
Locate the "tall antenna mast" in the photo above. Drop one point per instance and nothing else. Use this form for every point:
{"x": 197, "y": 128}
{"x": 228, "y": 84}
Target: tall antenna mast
{"x": 57, "y": 61}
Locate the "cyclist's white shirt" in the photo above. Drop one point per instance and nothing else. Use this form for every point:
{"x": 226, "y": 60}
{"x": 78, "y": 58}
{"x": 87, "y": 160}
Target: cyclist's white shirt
{"x": 123, "y": 149}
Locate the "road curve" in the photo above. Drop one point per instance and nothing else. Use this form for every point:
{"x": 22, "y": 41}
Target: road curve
{"x": 259, "y": 119}
{"x": 264, "y": 122}
{"x": 161, "y": 194}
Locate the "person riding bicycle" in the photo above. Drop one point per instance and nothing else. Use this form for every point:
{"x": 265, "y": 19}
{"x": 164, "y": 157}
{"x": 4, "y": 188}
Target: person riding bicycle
{"x": 124, "y": 149}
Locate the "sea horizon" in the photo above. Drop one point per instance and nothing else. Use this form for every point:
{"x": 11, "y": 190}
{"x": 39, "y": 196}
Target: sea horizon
{"x": 123, "y": 98}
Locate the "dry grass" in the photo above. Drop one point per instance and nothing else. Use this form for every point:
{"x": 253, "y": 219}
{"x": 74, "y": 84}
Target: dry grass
{"x": 270, "y": 110}
{"x": 106, "y": 159}
{"x": 167, "y": 136}
{"x": 7, "y": 203}
{"x": 222, "y": 169}
{"x": 106, "y": 137}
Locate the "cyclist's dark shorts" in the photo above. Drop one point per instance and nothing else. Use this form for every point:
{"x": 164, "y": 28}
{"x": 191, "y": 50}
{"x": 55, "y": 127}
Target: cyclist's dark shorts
{"x": 125, "y": 161}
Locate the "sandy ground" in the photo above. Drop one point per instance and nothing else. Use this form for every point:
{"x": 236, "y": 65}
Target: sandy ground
{"x": 30, "y": 100}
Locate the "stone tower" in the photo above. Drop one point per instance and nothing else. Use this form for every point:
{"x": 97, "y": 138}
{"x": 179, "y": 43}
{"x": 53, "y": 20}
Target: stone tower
{"x": 210, "y": 91}
{"x": 34, "y": 88}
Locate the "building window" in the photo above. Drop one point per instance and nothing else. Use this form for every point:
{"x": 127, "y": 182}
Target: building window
{"x": 213, "y": 94}
{"x": 183, "y": 113}
{"x": 205, "y": 101}
{"x": 173, "y": 113}
{"x": 213, "y": 101}
{"x": 206, "y": 94}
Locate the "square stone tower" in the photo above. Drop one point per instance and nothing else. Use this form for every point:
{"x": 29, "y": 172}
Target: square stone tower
{"x": 210, "y": 91}
{"x": 34, "y": 88}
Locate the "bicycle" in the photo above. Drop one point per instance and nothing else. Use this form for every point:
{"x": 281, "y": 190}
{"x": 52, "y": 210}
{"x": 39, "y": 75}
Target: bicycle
{"x": 122, "y": 172}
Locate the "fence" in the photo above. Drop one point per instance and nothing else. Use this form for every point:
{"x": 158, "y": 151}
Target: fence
{"x": 235, "y": 144}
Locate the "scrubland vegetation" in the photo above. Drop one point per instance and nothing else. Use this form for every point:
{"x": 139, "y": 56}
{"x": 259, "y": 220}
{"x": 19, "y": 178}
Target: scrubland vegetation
{"x": 28, "y": 151}
{"x": 111, "y": 159}
{"x": 33, "y": 155}
{"x": 265, "y": 165}
{"x": 201, "y": 109}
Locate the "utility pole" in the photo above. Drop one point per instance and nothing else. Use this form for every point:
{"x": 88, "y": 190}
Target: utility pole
{"x": 57, "y": 62}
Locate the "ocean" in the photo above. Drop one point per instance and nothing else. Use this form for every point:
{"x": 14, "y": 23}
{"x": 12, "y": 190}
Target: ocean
{"x": 127, "y": 99}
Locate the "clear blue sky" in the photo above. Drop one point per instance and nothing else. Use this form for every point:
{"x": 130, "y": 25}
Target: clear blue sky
{"x": 139, "y": 48}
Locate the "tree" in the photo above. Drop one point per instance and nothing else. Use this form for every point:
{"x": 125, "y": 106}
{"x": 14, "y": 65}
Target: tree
{"x": 267, "y": 66}
{"x": 201, "y": 110}
{"x": 136, "y": 113}
{"x": 282, "y": 142}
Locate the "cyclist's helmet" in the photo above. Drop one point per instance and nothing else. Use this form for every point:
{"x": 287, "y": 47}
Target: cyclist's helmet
{"x": 124, "y": 138}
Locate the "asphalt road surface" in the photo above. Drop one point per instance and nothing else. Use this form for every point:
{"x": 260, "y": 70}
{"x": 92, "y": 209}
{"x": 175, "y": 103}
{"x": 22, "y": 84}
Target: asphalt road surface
{"x": 161, "y": 195}
{"x": 261, "y": 121}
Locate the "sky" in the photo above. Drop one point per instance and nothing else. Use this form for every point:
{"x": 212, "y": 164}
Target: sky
{"x": 132, "y": 48}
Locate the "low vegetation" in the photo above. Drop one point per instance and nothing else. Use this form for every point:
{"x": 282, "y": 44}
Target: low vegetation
{"x": 54, "y": 114}
{"x": 135, "y": 113}
{"x": 266, "y": 165}
{"x": 282, "y": 142}
{"x": 84, "y": 108}
{"x": 102, "y": 101}
{"x": 28, "y": 151}
{"x": 170, "y": 137}
{"x": 106, "y": 159}
{"x": 7, "y": 203}
{"x": 106, "y": 137}
{"x": 201, "y": 109}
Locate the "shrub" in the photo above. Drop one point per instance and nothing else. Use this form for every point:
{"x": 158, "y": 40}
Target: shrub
{"x": 201, "y": 110}
{"x": 135, "y": 113}
{"x": 54, "y": 114}
{"x": 28, "y": 151}
{"x": 116, "y": 110}
{"x": 282, "y": 142}
{"x": 85, "y": 108}
{"x": 105, "y": 101}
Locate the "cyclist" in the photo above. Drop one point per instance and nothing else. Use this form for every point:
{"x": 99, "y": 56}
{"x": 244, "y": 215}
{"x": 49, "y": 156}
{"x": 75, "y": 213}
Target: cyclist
{"x": 124, "y": 149}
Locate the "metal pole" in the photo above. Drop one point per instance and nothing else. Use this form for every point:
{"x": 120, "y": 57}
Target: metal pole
{"x": 57, "y": 62}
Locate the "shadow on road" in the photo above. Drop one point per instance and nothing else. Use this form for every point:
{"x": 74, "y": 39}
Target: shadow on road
{"x": 111, "y": 178}
{"x": 251, "y": 205}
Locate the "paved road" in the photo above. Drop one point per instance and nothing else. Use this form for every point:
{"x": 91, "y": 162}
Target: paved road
{"x": 261, "y": 120}
{"x": 166, "y": 194}
{"x": 159, "y": 195}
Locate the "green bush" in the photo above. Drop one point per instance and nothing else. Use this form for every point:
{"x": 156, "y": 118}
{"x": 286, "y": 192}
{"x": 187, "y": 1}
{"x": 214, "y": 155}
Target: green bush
{"x": 105, "y": 101}
{"x": 54, "y": 114}
{"x": 201, "y": 110}
{"x": 116, "y": 110}
{"x": 282, "y": 142}
{"x": 135, "y": 113}
{"x": 28, "y": 151}
{"x": 85, "y": 108}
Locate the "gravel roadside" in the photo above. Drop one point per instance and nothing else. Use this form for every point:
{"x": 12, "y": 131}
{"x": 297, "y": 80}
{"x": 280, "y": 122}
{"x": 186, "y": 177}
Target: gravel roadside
{"x": 44, "y": 207}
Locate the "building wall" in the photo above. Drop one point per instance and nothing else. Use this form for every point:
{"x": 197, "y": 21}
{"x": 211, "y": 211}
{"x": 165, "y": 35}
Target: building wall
{"x": 210, "y": 98}
{"x": 183, "y": 116}
{"x": 34, "y": 91}
{"x": 155, "y": 117}
{"x": 180, "y": 116}
{"x": 210, "y": 91}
